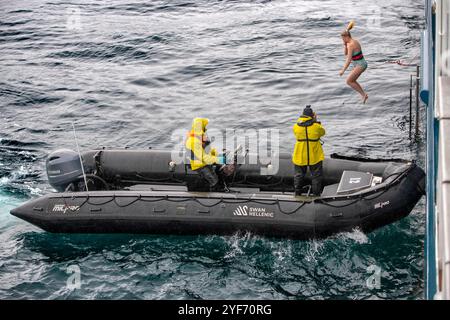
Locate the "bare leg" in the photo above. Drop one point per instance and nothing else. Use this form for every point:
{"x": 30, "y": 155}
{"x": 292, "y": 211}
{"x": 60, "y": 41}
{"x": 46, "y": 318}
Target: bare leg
{"x": 351, "y": 81}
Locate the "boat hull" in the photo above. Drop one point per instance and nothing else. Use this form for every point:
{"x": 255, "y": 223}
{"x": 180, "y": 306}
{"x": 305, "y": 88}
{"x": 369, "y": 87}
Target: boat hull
{"x": 194, "y": 213}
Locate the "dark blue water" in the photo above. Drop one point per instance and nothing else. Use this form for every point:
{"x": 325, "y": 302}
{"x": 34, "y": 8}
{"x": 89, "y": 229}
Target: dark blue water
{"x": 130, "y": 73}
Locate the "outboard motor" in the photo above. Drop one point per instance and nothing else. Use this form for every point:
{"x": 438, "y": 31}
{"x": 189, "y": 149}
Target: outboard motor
{"x": 63, "y": 169}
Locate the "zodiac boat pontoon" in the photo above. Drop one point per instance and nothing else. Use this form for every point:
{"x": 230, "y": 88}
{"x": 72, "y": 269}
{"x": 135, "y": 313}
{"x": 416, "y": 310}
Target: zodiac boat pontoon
{"x": 144, "y": 191}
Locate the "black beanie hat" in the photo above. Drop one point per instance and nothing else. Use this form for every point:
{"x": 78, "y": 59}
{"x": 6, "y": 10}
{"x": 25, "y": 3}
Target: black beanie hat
{"x": 308, "y": 111}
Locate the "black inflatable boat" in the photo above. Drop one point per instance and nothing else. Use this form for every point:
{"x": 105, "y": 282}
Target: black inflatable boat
{"x": 144, "y": 191}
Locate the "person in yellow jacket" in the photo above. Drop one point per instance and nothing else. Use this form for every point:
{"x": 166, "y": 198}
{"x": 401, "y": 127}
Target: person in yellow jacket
{"x": 308, "y": 151}
{"x": 202, "y": 161}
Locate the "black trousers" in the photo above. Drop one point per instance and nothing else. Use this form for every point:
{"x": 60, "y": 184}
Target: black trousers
{"x": 207, "y": 173}
{"x": 316, "y": 174}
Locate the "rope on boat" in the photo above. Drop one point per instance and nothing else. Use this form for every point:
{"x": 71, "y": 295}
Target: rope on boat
{"x": 276, "y": 202}
{"x": 167, "y": 198}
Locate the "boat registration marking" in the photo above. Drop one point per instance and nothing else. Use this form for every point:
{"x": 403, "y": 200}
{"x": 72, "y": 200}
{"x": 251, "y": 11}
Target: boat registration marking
{"x": 64, "y": 208}
{"x": 381, "y": 205}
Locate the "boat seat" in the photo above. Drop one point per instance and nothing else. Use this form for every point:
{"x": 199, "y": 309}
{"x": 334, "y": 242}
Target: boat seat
{"x": 245, "y": 190}
{"x": 330, "y": 190}
{"x": 351, "y": 182}
{"x": 154, "y": 187}
{"x": 303, "y": 198}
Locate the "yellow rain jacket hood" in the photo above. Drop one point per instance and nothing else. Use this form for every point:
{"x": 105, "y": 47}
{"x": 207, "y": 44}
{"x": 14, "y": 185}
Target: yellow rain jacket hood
{"x": 308, "y": 149}
{"x": 197, "y": 142}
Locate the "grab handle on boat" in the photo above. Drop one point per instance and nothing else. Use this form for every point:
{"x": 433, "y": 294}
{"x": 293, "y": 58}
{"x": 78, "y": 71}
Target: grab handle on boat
{"x": 309, "y": 190}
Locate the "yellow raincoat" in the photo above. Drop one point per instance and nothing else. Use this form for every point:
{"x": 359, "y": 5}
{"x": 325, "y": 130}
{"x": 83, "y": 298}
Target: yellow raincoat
{"x": 303, "y": 155}
{"x": 196, "y": 143}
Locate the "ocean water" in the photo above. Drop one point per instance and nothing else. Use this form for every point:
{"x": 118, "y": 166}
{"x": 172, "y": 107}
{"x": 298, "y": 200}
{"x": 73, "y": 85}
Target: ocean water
{"x": 131, "y": 73}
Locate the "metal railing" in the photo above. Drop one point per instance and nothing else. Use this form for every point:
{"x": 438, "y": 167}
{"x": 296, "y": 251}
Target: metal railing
{"x": 414, "y": 86}
{"x": 441, "y": 141}
{"x": 428, "y": 96}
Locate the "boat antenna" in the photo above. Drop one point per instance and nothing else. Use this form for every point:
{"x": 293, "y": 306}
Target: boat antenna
{"x": 79, "y": 155}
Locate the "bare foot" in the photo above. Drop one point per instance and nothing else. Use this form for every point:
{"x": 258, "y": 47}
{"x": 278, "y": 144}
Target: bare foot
{"x": 366, "y": 96}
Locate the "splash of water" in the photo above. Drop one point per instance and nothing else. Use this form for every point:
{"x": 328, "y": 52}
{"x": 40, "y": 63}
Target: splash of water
{"x": 314, "y": 248}
{"x": 356, "y": 235}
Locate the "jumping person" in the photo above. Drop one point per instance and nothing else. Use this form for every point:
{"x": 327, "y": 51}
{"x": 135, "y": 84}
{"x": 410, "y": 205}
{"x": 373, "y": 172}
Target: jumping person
{"x": 308, "y": 151}
{"x": 353, "y": 51}
{"x": 202, "y": 161}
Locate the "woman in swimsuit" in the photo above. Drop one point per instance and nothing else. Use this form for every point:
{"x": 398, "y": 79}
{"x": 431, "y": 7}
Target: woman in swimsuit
{"x": 354, "y": 54}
